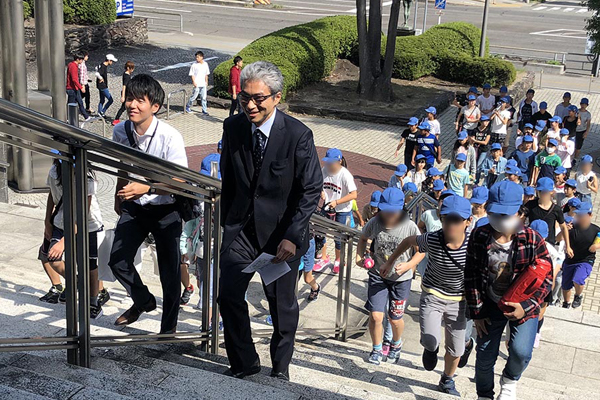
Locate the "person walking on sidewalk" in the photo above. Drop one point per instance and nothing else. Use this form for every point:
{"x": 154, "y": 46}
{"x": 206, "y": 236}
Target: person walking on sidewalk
{"x": 234, "y": 85}
{"x": 129, "y": 67}
{"x": 199, "y": 72}
{"x": 443, "y": 297}
{"x": 102, "y": 84}
{"x": 74, "y": 87}
{"x": 499, "y": 253}
{"x": 85, "y": 80}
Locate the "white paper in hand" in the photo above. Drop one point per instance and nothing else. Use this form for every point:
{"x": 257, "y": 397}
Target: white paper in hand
{"x": 268, "y": 271}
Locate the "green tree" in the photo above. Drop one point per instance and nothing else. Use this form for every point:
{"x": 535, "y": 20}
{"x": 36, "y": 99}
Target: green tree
{"x": 593, "y": 23}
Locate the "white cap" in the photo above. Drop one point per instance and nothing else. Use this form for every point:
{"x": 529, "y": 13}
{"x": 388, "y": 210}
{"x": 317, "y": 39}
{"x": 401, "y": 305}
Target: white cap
{"x": 111, "y": 57}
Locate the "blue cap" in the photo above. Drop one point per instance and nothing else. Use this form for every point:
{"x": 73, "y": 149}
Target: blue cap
{"x": 560, "y": 170}
{"x": 438, "y": 184}
{"x": 511, "y": 163}
{"x": 571, "y": 182}
{"x": 433, "y": 171}
{"x": 496, "y": 146}
{"x": 512, "y": 170}
{"x": 544, "y": 105}
{"x": 529, "y": 191}
{"x": 572, "y": 107}
{"x": 392, "y": 199}
{"x": 409, "y": 186}
{"x": 556, "y": 118}
{"x": 528, "y": 125}
{"x": 567, "y": 94}
{"x": 205, "y": 166}
{"x": 528, "y": 139}
{"x": 420, "y": 157}
{"x": 485, "y": 118}
{"x": 545, "y": 184}
{"x": 584, "y": 101}
{"x": 584, "y": 208}
{"x": 472, "y": 97}
{"x": 446, "y": 193}
{"x": 505, "y": 99}
{"x": 563, "y": 131}
{"x": 568, "y": 219}
{"x": 482, "y": 221}
{"x": 574, "y": 202}
{"x": 503, "y": 89}
{"x": 333, "y": 155}
{"x": 456, "y": 205}
{"x": 461, "y": 157}
{"x": 587, "y": 159}
{"x": 541, "y": 227}
{"x": 401, "y": 170}
{"x": 425, "y": 125}
{"x": 480, "y": 195}
{"x": 473, "y": 89}
{"x": 413, "y": 121}
{"x": 487, "y": 86}
{"x": 541, "y": 124}
{"x": 552, "y": 142}
{"x": 375, "y": 197}
{"x": 505, "y": 197}
{"x": 431, "y": 110}
{"x": 462, "y": 135}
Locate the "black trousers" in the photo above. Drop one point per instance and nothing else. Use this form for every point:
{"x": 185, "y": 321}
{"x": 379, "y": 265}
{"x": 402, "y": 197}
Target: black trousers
{"x": 164, "y": 222}
{"x": 283, "y": 305}
{"x": 86, "y": 97}
{"x": 235, "y": 105}
{"x": 121, "y": 111}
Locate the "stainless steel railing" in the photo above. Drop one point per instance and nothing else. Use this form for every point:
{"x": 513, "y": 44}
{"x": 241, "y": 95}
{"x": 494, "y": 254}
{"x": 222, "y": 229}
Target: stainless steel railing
{"x": 169, "y": 102}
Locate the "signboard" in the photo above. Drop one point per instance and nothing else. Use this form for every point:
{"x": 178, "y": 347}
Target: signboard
{"x": 124, "y": 8}
{"x": 440, "y": 4}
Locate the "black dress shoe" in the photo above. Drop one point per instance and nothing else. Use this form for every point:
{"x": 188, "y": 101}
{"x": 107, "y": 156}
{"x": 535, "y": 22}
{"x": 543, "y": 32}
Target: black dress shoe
{"x": 132, "y": 315}
{"x": 242, "y": 374}
{"x": 281, "y": 375}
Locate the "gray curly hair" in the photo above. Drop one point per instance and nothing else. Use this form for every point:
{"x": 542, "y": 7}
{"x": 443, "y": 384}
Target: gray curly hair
{"x": 265, "y": 72}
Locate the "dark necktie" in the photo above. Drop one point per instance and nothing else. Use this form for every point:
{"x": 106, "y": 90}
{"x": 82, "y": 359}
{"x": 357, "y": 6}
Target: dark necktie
{"x": 259, "y": 150}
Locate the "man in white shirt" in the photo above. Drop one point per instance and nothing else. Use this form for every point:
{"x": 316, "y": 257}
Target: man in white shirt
{"x": 199, "y": 72}
{"x": 562, "y": 110}
{"x": 144, "y": 209}
{"x": 486, "y": 102}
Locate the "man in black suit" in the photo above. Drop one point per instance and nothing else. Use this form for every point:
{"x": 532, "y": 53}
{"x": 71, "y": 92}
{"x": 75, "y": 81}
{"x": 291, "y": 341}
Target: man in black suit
{"x": 271, "y": 184}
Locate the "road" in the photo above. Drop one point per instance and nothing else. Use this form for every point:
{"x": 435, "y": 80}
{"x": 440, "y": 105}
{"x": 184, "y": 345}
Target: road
{"x": 552, "y": 26}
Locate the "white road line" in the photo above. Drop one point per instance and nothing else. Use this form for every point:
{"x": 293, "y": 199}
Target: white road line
{"x": 582, "y": 10}
{"x": 180, "y": 65}
{"x": 568, "y": 9}
{"x": 562, "y": 33}
{"x": 164, "y": 9}
{"x": 385, "y": 4}
{"x": 312, "y": 8}
{"x": 284, "y": 3}
{"x": 554, "y": 9}
{"x": 539, "y": 8}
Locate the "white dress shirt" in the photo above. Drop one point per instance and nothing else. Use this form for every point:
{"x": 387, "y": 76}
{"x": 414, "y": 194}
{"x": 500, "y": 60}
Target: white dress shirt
{"x": 265, "y": 128}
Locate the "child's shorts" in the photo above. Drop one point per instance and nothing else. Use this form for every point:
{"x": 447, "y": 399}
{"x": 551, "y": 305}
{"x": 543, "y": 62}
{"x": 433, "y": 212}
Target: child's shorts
{"x": 381, "y": 291}
{"x": 575, "y": 273}
{"x": 58, "y": 234}
{"x": 308, "y": 259}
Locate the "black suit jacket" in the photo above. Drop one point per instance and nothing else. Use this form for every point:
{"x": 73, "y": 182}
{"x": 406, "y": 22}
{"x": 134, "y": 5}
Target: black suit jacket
{"x": 286, "y": 192}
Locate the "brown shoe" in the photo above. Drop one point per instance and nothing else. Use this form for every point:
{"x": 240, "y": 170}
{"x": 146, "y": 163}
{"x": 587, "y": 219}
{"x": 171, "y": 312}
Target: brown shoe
{"x": 129, "y": 316}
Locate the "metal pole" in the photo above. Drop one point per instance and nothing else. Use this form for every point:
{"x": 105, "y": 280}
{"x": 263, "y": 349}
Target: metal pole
{"x": 206, "y": 271}
{"x": 6, "y": 41}
{"x": 42, "y": 44}
{"x": 340, "y": 293}
{"x": 57, "y": 59}
{"x": 425, "y": 17}
{"x": 416, "y": 14}
{"x": 486, "y": 9}
{"x": 347, "y": 291}
{"x": 214, "y": 343}
{"x": 21, "y": 157}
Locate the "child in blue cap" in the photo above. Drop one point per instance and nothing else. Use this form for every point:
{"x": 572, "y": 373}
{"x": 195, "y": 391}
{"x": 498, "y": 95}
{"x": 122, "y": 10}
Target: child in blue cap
{"x": 498, "y": 253}
{"x": 427, "y": 145}
{"x": 527, "y": 108}
{"x": 481, "y": 143}
{"x": 372, "y": 208}
{"x": 418, "y": 175}
{"x": 388, "y": 286}
{"x": 494, "y": 165}
{"x": 408, "y": 139}
{"x": 541, "y": 115}
{"x": 545, "y": 162}
{"x": 587, "y": 181}
{"x": 528, "y": 194}
{"x": 562, "y": 109}
{"x": 398, "y": 178}
{"x": 464, "y": 144}
{"x": 433, "y": 174}
{"x": 468, "y": 117}
{"x": 443, "y": 296}
{"x": 479, "y": 198}
{"x": 570, "y": 189}
{"x": 434, "y": 124}
{"x": 524, "y": 155}
{"x": 457, "y": 177}
{"x": 486, "y": 102}
{"x": 583, "y": 129}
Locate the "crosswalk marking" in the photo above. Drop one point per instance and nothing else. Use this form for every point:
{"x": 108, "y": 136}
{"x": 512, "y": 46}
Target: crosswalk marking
{"x": 554, "y": 9}
{"x": 568, "y": 9}
{"x": 582, "y": 10}
{"x": 539, "y": 8}
{"x": 559, "y": 9}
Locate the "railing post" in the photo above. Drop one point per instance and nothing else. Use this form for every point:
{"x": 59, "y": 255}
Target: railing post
{"x": 347, "y": 289}
{"x": 338, "y": 310}
{"x": 214, "y": 343}
{"x": 206, "y": 281}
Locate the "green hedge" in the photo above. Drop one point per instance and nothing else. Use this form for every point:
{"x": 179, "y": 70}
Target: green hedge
{"x": 82, "y": 12}
{"x": 307, "y": 53}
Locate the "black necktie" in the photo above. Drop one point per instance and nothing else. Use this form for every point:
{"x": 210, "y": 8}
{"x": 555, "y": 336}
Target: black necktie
{"x": 259, "y": 149}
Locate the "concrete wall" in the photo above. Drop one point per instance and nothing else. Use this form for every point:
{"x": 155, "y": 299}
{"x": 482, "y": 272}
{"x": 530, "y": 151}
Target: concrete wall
{"x": 123, "y": 32}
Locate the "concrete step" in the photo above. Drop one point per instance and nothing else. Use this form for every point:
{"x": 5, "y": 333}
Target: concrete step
{"x": 7, "y": 392}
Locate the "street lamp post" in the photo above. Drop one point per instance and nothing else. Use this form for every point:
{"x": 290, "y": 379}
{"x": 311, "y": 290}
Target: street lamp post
{"x": 486, "y": 9}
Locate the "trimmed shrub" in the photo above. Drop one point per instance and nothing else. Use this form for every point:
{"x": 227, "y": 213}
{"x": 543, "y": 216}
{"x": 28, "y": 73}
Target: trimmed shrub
{"x": 307, "y": 53}
{"x": 90, "y": 12}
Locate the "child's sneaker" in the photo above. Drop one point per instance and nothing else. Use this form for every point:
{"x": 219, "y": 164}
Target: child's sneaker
{"x": 314, "y": 294}
{"x": 188, "y": 110}
{"x": 566, "y": 305}
{"x": 394, "y": 354}
{"x": 464, "y": 359}
{"x": 336, "y": 267}
{"x": 577, "y": 301}
{"x": 52, "y": 296}
{"x": 103, "y": 297}
{"x": 385, "y": 348}
{"x": 269, "y": 320}
{"x": 375, "y": 357}
{"x": 430, "y": 359}
{"x": 447, "y": 385}
{"x": 95, "y": 311}
{"x": 186, "y": 295}
{"x": 536, "y": 342}
{"x": 321, "y": 265}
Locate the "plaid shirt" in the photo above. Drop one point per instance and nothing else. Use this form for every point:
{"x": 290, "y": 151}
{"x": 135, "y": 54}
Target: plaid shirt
{"x": 83, "y": 74}
{"x": 527, "y": 246}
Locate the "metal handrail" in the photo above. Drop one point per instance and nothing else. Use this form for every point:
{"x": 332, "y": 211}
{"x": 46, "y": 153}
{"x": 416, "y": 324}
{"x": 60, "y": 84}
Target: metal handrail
{"x": 556, "y": 54}
{"x": 94, "y": 119}
{"x": 160, "y": 11}
{"x": 169, "y": 102}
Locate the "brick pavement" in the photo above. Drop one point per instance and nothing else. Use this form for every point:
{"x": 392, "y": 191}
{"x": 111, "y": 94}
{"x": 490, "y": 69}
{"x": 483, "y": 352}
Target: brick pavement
{"x": 370, "y": 148}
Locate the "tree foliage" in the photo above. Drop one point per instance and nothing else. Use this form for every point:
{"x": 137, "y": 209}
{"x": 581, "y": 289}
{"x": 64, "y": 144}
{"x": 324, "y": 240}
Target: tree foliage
{"x": 593, "y": 23}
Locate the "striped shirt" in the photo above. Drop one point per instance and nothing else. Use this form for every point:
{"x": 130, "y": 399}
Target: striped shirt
{"x": 83, "y": 74}
{"x": 445, "y": 272}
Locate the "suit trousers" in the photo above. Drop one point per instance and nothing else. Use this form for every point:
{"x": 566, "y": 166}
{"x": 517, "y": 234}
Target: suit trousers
{"x": 283, "y": 305}
{"x": 164, "y": 222}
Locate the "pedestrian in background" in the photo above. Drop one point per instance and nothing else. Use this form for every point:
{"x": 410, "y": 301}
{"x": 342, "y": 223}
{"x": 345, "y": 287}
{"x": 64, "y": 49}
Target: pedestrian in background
{"x": 199, "y": 72}
{"x": 102, "y": 84}
{"x": 85, "y": 80}
{"x": 74, "y": 87}
{"x": 234, "y": 85}
{"x": 129, "y": 67}
{"x": 562, "y": 109}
